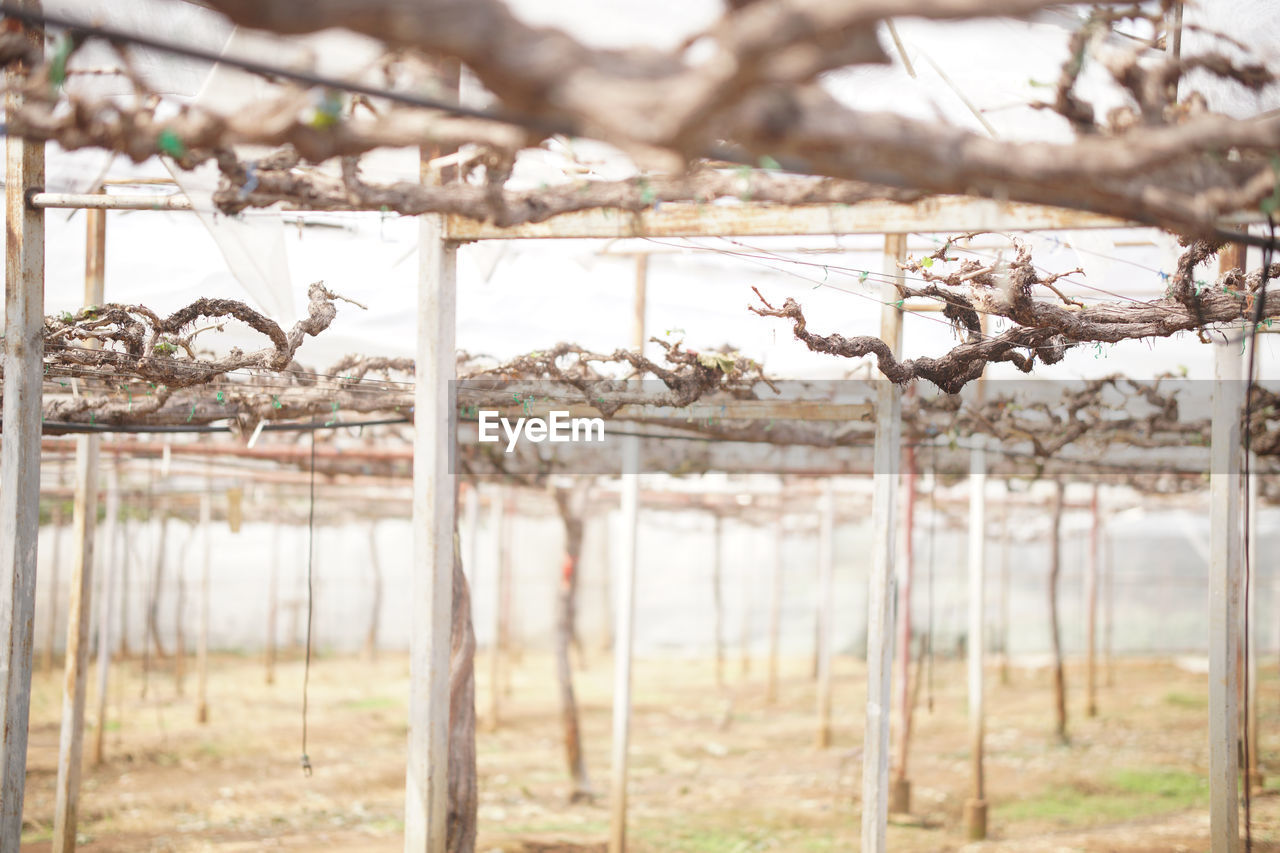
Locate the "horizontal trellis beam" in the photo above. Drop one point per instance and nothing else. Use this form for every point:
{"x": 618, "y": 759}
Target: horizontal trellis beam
{"x": 935, "y": 214}
{"x": 102, "y": 201}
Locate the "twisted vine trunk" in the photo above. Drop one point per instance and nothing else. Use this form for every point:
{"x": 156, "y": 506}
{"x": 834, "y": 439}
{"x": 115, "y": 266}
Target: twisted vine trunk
{"x": 565, "y": 619}
{"x": 462, "y": 718}
{"x": 1055, "y": 569}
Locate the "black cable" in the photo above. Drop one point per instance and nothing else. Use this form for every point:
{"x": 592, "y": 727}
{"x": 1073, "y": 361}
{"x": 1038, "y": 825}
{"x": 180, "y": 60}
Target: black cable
{"x": 311, "y": 544}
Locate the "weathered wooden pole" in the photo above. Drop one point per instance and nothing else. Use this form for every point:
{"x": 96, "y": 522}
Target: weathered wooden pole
{"x": 775, "y": 609}
{"x": 370, "y": 650}
{"x": 180, "y": 613}
{"x": 55, "y": 571}
{"x": 1254, "y": 769}
{"x": 975, "y": 808}
{"x": 900, "y": 789}
{"x": 746, "y": 584}
{"x": 471, "y": 532}
{"x": 1224, "y": 589}
{"x": 1055, "y": 629}
{"x": 1108, "y": 606}
{"x": 1091, "y": 609}
{"x": 202, "y": 641}
{"x": 497, "y": 645}
{"x": 20, "y": 448}
{"x": 126, "y": 556}
{"x": 880, "y": 584}
{"x": 1004, "y": 587}
{"x": 80, "y": 599}
{"x": 826, "y": 610}
{"x": 273, "y": 603}
{"x": 623, "y": 644}
{"x": 106, "y": 607}
{"x": 717, "y": 595}
{"x": 426, "y": 782}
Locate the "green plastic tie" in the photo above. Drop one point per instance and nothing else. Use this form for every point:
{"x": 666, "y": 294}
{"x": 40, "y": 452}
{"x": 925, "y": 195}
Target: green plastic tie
{"x": 169, "y": 142}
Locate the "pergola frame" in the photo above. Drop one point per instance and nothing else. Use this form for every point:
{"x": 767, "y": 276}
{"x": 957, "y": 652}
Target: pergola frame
{"x": 434, "y": 484}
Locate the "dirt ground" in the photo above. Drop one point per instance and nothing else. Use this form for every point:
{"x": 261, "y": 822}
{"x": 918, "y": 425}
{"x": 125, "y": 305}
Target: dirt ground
{"x": 712, "y": 772}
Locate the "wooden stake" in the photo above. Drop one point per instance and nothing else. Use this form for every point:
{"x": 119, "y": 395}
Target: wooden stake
{"x": 1224, "y": 597}
{"x": 76, "y": 659}
{"x": 273, "y": 603}
{"x": 202, "y": 641}
{"x": 775, "y": 609}
{"x": 471, "y": 528}
{"x": 623, "y": 644}
{"x": 1091, "y": 605}
{"x": 1108, "y": 609}
{"x": 375, "y": 603}
{"x": 126, "y": 555}
{"x": 975, "y": 809}
{"x": 157, "y": 583}
{"x": 105, "y": 611}
{"x": 1055, "y": 629}
{"x": 746, "y": 584}
{"x": 900, "y": 792}
{"x": 55, "y": 570}
{"x": 80, "y": 602}
{"x": 1004, "y": 587}
{"x": 426, "y": 783}
{"x": 826, "y": 590}
{"x": 1254, "y": 769}
{"x": 880, "y": 584}
{"x": 180, "y": 613}
{"x": 502, "y": 508}
{"x": 717, "y": 597}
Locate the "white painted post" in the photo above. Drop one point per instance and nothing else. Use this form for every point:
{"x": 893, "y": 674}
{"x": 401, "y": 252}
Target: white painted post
{"x": 826, "y": 610}
{"x": 20, "y": 454}
{"x": 975, "y": 808}
{"x": 1224, "y": 599}
{"x": 623, "y": 643}
{"x": 202, "y": 641}
{"x": 80, "y": 599}
{"x": 880, "y": 584}
{"x": 426, "y": 777}
{"x": 106, "y": 612}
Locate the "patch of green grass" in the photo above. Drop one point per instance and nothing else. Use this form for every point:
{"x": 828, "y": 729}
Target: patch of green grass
{"x": 1125, "y": 794}
{"x": 1194, "y": 701}
{"x": 34, "y": 836}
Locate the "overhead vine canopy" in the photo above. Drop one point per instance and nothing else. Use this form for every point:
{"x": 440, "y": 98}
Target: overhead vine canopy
{"x": 750, "y": 93}
{"x": 736, "y": 112}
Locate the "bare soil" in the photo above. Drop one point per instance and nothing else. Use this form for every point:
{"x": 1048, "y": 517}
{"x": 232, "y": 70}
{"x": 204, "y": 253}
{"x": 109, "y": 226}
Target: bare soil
{"x": 711, "y": 771}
